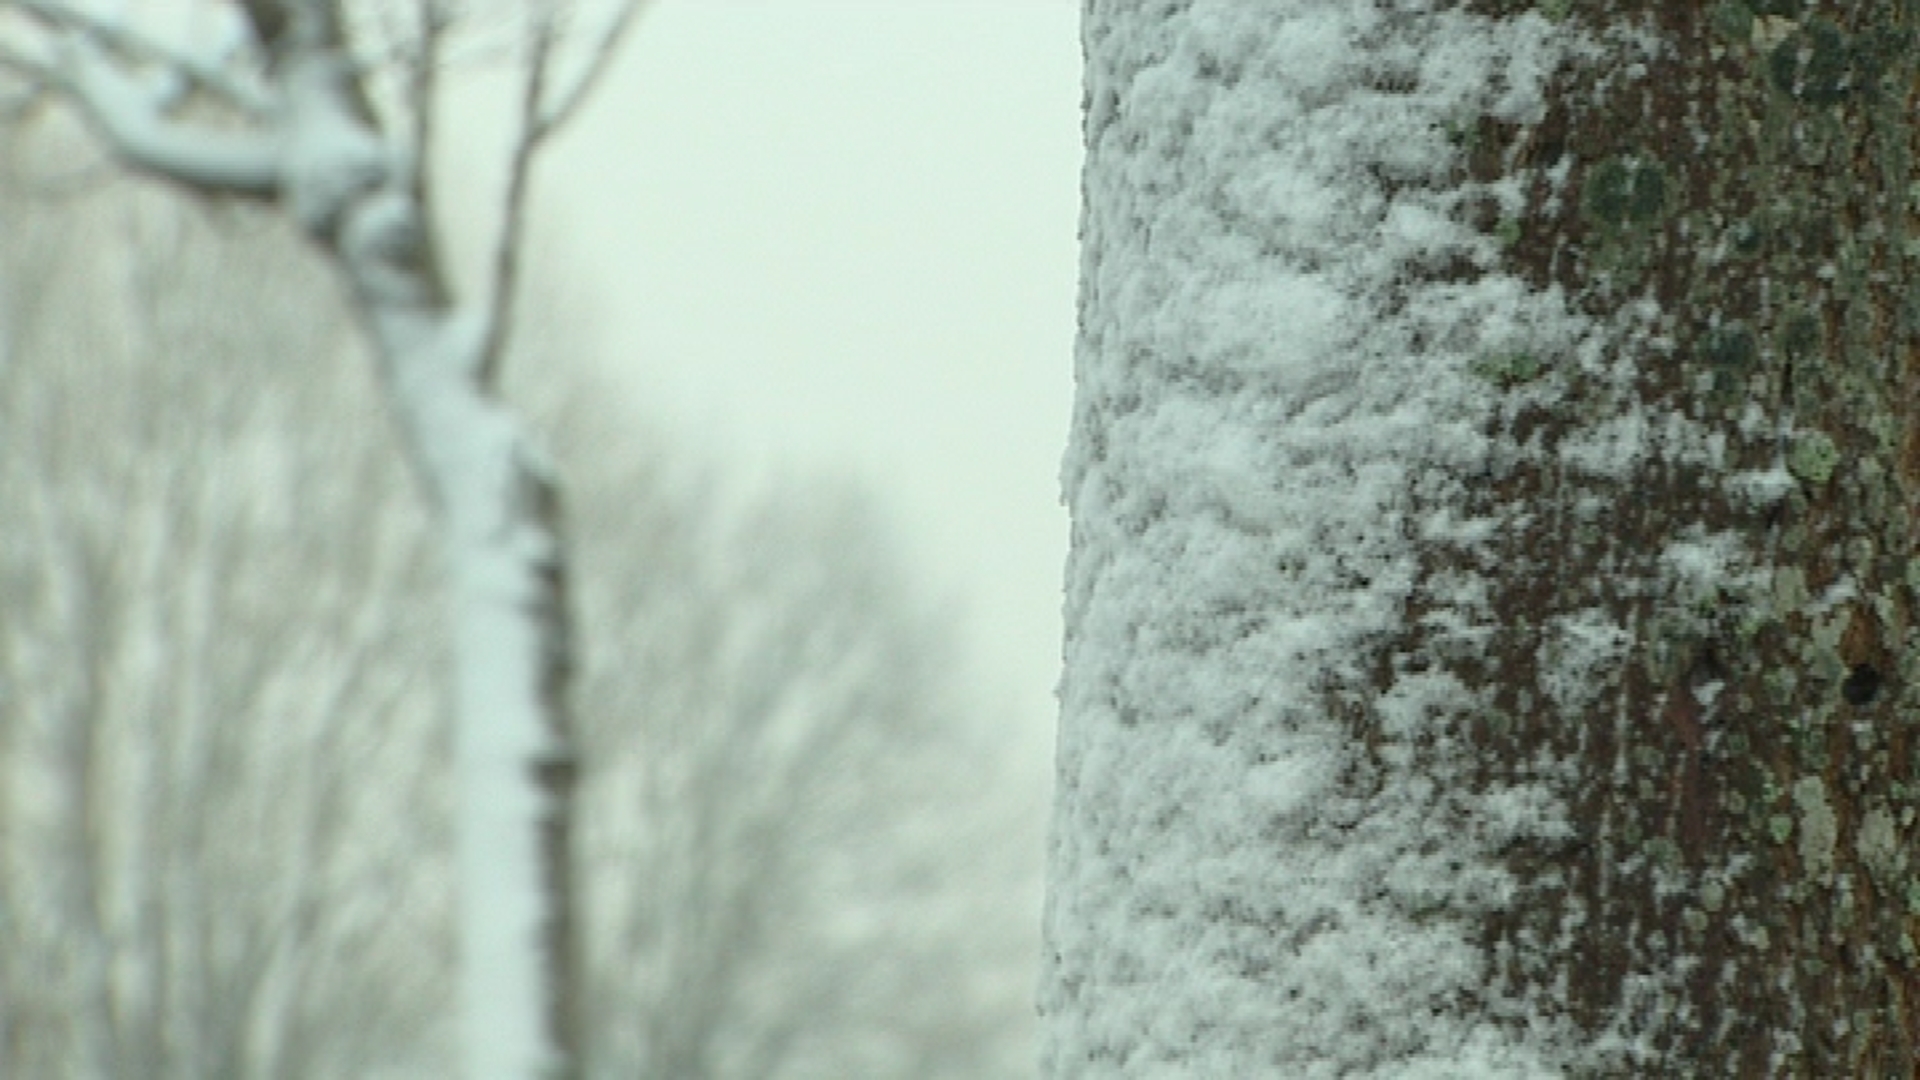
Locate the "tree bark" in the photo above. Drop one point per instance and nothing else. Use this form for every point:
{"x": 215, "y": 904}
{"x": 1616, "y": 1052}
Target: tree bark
{"x": 1581, "y": 747}
{"x": 1744, "y": 788}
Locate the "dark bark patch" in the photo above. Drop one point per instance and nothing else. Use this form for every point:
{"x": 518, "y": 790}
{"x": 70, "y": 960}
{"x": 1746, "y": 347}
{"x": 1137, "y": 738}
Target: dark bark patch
{"x": 1862, "y": 685}
{"x": 1625, "y": 190}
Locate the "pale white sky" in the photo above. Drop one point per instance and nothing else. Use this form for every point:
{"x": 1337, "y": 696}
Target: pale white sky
{"x": 842, "y": 232}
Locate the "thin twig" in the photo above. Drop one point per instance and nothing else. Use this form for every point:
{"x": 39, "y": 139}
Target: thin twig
{"x": 422, "y": 80}
{"x": 422, "y": 90}
{"x": 538, "y": 121}
{"x": 554, "y": 118}
{"x": 506, "y": 250}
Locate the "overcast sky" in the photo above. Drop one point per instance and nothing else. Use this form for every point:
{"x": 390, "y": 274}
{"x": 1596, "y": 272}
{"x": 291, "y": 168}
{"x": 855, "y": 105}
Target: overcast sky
{"x": 842, "y": 233}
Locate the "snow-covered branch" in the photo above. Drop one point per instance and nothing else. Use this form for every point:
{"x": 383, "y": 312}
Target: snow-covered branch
{"x": 131, "y": 116}
{"x": 209, "y": 74}
{"x": 128, "y": 86}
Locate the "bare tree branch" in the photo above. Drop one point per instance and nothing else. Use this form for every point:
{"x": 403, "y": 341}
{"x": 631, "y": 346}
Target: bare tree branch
{"x": 553, "y": 118}
{"x": 537, "y": 122}
{"x": 508, "y": 242}
{"x": 422, "y": 82}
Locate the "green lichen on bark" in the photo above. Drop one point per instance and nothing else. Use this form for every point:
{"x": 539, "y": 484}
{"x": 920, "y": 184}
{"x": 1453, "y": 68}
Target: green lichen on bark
{"x": 1754, "y": 758}
{"x": 1509, "y": 368}
{"x": 1813, "y": 457}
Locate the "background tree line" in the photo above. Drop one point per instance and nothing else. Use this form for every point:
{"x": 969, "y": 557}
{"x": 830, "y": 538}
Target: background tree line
{"x": 224, "y": 790}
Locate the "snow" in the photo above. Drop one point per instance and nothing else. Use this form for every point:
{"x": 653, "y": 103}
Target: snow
{"x": 131, "y": 116}
{"x": 1578, "y": 648}
{"x": 1699, "y": 566}
{"x": 470, "y": 454}
{"x": 470, "y": 449}
{"x": 1762, "y": 488}
{"x": 328, "y": 155}
{"x": 1274, "y": 406}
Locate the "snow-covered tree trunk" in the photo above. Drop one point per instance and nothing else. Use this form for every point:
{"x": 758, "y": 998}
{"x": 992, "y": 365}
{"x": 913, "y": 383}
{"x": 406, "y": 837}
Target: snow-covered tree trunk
{"x": 1493, "y": 478}
{"x": 499, "y": 517}
{"x": 311, "y": 143}
{"x": 499, "y": 514}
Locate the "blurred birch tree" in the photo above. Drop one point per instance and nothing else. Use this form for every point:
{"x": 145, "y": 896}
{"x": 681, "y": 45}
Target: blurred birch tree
{"x": 328, "y": 114}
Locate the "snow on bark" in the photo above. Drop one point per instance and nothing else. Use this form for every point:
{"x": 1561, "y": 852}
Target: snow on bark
{"x": 1268, "y": 855}
{"x": 498, "y": 559}
{"x": 501, "y": 552}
